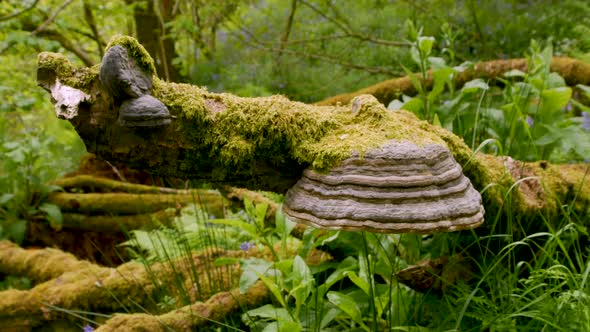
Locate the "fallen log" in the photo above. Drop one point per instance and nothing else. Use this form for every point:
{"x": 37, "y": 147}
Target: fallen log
{"x": 183, "y": 131}
{"x": 572, "y": 70}
{"x": 69, "y": 284}
{"x": 188, "y": 318}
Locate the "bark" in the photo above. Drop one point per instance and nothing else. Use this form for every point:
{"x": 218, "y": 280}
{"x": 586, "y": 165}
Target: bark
{"x": 152, "y": 33}
{"x": 265, "y": 143}
{"x": 572, "y": 70}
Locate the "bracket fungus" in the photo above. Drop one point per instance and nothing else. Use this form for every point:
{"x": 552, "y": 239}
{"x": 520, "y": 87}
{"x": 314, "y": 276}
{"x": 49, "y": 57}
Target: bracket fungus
{"x": 397, "y": 188}
{"x": 130, "y": 85}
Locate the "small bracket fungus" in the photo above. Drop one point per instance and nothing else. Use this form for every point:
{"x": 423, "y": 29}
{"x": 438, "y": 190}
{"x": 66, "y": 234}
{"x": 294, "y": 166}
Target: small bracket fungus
{"x": 397, "y": 188}
{"x": 131, "y": 86}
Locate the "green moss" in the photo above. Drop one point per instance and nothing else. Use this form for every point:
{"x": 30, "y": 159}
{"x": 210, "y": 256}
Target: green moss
{"x": 240, "y": 131}
{"x": 78, "y": 78}
{"x": 136, "y": 50}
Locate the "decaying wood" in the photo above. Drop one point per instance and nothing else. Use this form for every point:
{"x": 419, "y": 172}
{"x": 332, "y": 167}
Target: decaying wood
{"x": 70, "y": 284}
{"x": 572, "y": 70}
{"x": 189, "y": 318}
{"x": 436, "y": 274}
{"x": 266, "y": 143}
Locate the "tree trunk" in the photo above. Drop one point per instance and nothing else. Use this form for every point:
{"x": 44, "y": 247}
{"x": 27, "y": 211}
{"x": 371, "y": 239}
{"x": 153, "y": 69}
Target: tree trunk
{"x": 153, "y": 35}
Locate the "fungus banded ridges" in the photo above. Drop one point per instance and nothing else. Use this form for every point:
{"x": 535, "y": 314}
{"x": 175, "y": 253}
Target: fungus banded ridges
{"x": 397, "y": 188}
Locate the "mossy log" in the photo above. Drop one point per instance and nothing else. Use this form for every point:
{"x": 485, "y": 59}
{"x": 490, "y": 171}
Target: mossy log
{"x": 95, "y": 184}
{"x": 67, "y": 283}
{"x": 189, "y": 318}
{"x": 572, "y": 70}
{"x": 266, "y": 143}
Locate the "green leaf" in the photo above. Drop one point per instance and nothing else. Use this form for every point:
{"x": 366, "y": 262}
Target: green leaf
{"x": 414, "y": 79}
{"x": 360, "y": 282}
{"x": 347, "y": 305}
{"x": 348, "y": 264}
{"x": 16, "y": 230}
{"x": 54, "y": 215}
{"x": 437, "y": 63}
{"x": 425, "y": 44}
{"x": 514, "y": 73}
{"x": 555, "y": 99}
{"x": 554, "y": 80}
{"x": 475, "y": 85}
{"x": 5, "y": 198}
{"x": 225, "y": 261}
{"x": 271, "y": 312}
{"x": 282, "y": 326}
{"x": 415, "y": 105}
{"x": 252, "y": 268}
{"x": 302, "y": 282}
{"x": 273, "y": 287}
{"x": 585, "y": 89}
{"x": 251, "y": 229}
{"x": 441, "y": 77}
{"x": 261, "y": 214}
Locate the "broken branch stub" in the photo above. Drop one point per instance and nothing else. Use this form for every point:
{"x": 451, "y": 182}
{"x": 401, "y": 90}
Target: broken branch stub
{"x": 397, "y": 188}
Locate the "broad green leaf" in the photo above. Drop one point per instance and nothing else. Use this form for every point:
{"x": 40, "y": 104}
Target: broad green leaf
{"x": 425, "y": 44}
{"x": 270, "y": 311}
{"x": 252, "y": 268}
{"x": 260, "y": 214}
{"x": 16, "y": 230}
{"x": 437, "y": 63}
{"x": 474, "y": 85}
{"x": 225, "y": 261}
{"x": 282, "y": 326}
{"x": 585, "y": 89}
{"x": 555, "y": 99}
{"x": 415, "y": 105}
{"x": 5, "y": 198}
{"x": 347, "y": 305}
{"x": 441, "y": 76}
{"x": 251, "y": 229}
{"x": 329, "y": 316}
{"x": 554, "y": 80}
{"x": 414, "y": 79}
{"x": 514, "y": 73}
{"x": 415, "y": 55}
{"x": 54, "y": 215}
{"x": 360, "y": 282}
{"x": 348, "y": 264}
{"x": 273, "y": 287}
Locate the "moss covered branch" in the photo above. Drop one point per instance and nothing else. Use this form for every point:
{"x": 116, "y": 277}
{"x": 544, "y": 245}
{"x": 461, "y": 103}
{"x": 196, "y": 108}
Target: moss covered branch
{"x": 188, "y": 318}
{"x": 67, "y": 283}
{"x": 266, "y": 143}
{"x": 572, "y": 70}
